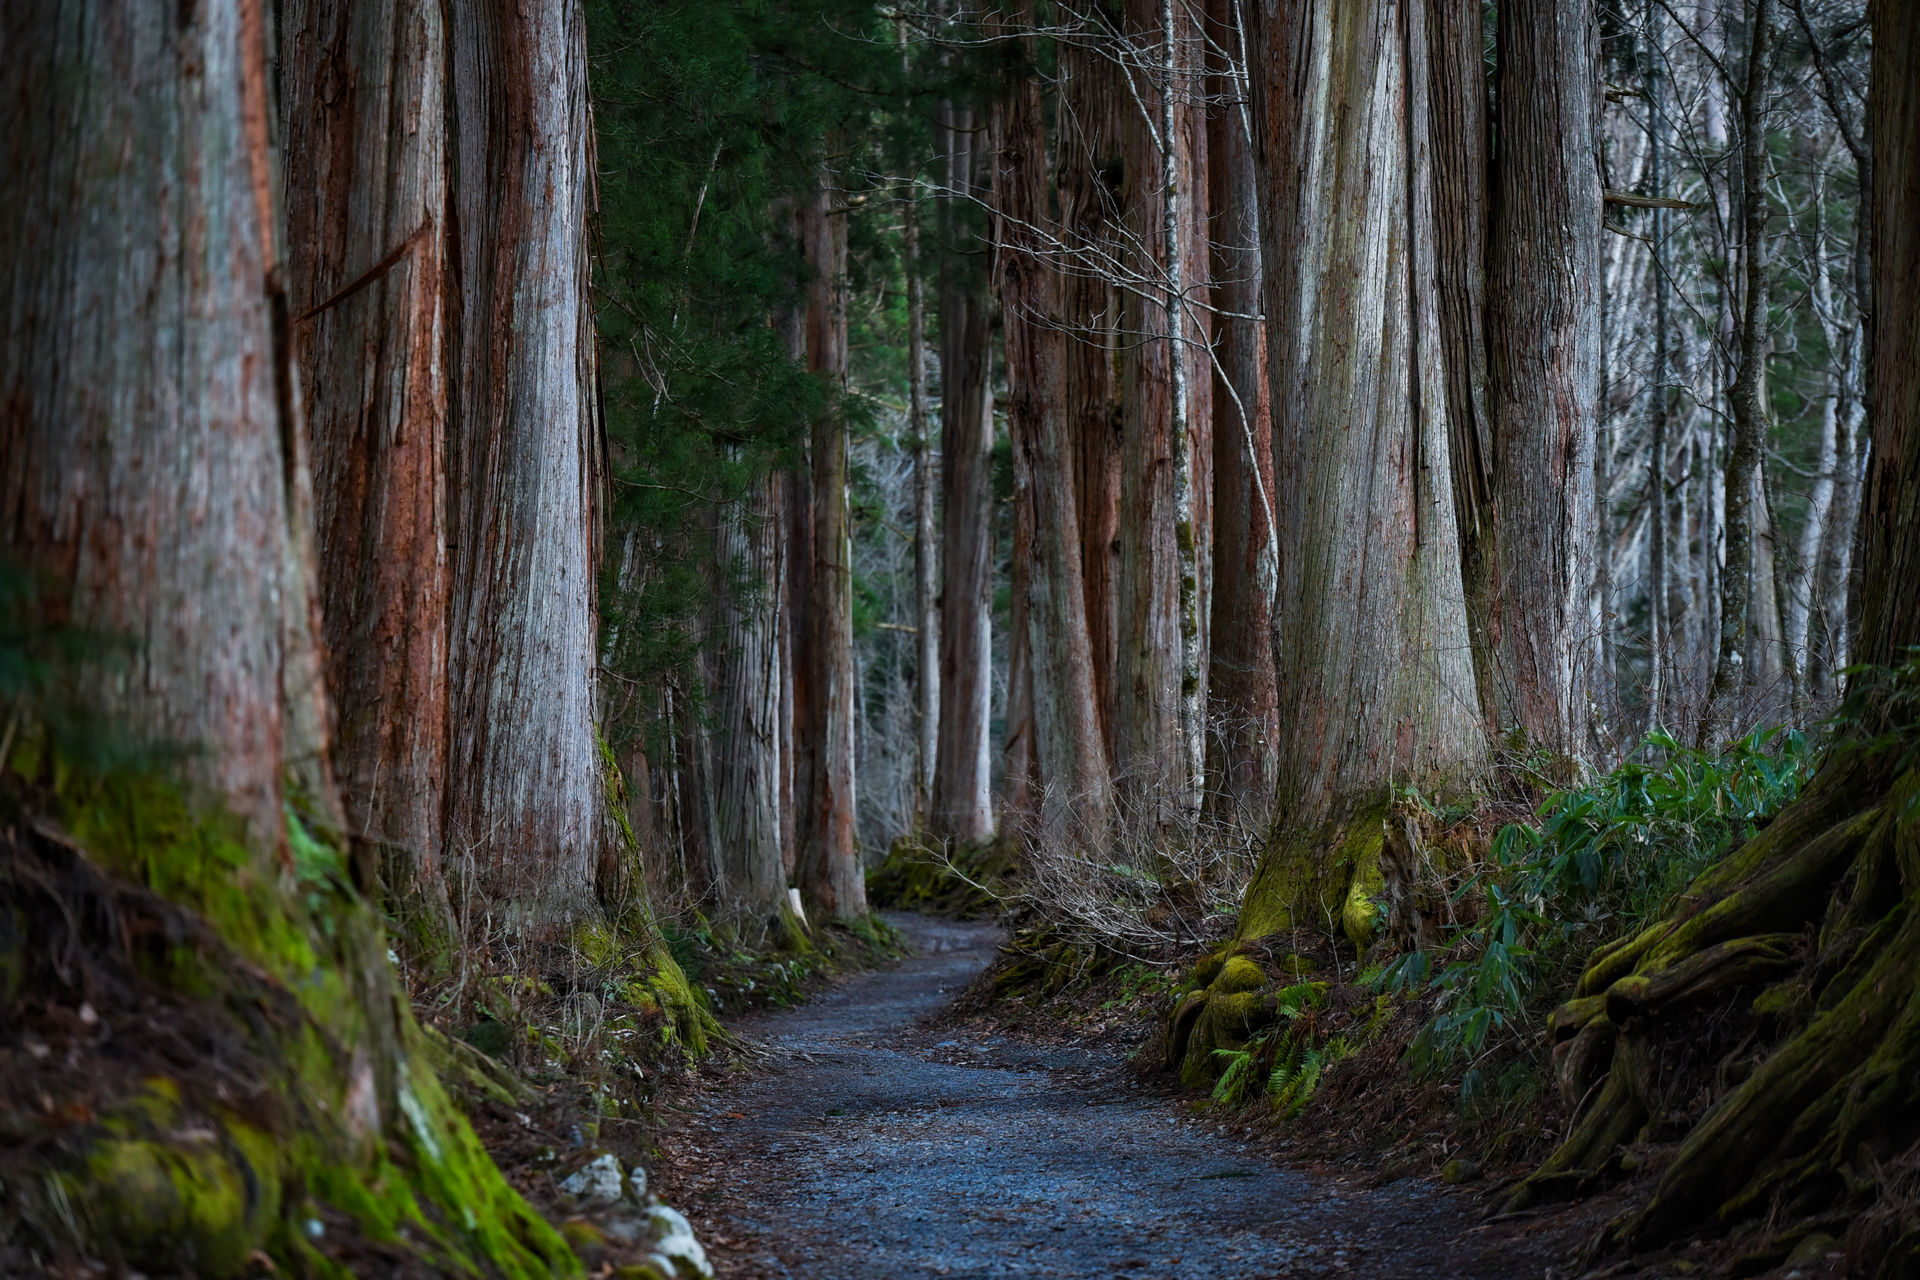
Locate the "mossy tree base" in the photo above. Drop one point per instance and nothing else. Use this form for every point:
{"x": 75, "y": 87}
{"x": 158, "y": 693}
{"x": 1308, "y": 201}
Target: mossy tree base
{"x": 216, "y": 1064}
{"x": 1325, "y": 881}
{"x": 1811, "y": 934}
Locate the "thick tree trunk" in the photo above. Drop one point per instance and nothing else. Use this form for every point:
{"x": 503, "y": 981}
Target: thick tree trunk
{"x": 962, "y": 777}
{"x": 525, "y": 784}
{"x": 1544, "y": 620}
{"x": 1086, "y": 164}
{"x": 828, "y": 869}
{"x": 1376, "y": 682}
{"x": 1245, "y": 698}
{"x": 153, "y": 477}
{"x": 744, "y": 644}
{"x": 1731, "y": 677}
{"x": 1166, "y": 448}
{"x": 149, "y": 461}
{"x": 1075, "y": 800}
{"x": 365, "y": 120}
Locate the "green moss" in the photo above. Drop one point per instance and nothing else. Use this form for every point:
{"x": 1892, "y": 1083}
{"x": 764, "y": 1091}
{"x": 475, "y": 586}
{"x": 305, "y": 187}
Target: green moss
{"x": 360, "y": 1128}
{"x": 1238, "y": 974}
{"x": 1326, "y": 876}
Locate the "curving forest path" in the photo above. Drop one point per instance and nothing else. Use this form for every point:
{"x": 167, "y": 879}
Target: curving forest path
{"x": 875, "y": 1146}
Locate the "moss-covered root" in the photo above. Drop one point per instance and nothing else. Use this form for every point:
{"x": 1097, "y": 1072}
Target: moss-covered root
{"x": 1838, "y": 1088}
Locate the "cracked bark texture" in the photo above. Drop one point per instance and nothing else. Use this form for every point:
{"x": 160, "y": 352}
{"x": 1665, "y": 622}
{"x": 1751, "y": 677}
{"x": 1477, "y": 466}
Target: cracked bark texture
{"x": 1376, "y": 681}
{"x": 1543, "y": 613}
{"x": 362, "y": 100}
{"x": 151, "y": 467}
{"x": 525, "y": 786}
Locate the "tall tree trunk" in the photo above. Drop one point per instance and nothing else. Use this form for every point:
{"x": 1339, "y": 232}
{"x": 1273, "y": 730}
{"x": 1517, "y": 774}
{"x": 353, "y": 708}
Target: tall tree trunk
{"x": 962, "y": 778}
{"x": 361, "y": 98}
{"x": 828, "y": 870}
{"x": 1076, "y": 803}
{"x": 525, "y": 783}
{"x": 1376, "y": 681}
{"x": 1245, "y": 698}
{"x": 1457, "y": 119}
{"x": 1889, "y": 539}
{"x": 153, "y": 477}
{"x": 1087, "y": 160}
{"x": 1160, "y": 681}
{"x": 926, "y": 551}
{"x": 1544, "y": 337}
{"x": 152, "y": 469}
{"x": 1660, "y": 645}
{"x": 1731, "y": 679}
{"x": 744, "y": 643}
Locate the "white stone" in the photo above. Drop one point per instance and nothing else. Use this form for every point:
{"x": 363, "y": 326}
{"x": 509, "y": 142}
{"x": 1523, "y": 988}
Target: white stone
{"x": 674, "y": 1242}
{"x": 597, "y": 1183}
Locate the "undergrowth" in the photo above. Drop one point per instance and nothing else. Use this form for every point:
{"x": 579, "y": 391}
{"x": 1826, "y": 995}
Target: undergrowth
{"x": 1600, "y": 860}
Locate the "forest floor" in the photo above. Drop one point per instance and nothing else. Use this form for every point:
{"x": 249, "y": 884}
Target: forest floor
{"x": 883, "y": 1134}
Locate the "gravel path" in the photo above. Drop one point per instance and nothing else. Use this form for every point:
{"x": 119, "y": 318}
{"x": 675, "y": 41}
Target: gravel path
{"x": 876, "y": 1147}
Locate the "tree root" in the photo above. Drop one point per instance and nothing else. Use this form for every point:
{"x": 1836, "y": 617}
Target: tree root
{"x": 1820, "y": 905}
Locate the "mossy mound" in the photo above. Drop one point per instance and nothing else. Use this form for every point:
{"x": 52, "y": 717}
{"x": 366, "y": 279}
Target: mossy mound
{"x": 964, "y": 882}
{"x": 213, "y": 1064}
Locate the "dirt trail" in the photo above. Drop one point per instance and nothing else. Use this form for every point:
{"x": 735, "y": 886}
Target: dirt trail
{"x": 876, "y": 1147}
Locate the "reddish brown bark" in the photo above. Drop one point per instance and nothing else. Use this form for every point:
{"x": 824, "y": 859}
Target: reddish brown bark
{"x": 962, "y": 777}
{"x": 1050, "y": 625}
{"x": 828, "y": 869}
{"x": 1150, "y": 738}
{"x": 150, "y": 467}
{"x": 361, "y": 95}
{"x": 1088, "y": 168}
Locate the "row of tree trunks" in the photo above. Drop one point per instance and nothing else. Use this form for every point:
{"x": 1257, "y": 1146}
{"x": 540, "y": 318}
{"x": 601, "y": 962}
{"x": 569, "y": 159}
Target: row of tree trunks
{"x": 1075, "y": 803}
{"x": 458, "y": 463}
{"x": 1820, "y": 903}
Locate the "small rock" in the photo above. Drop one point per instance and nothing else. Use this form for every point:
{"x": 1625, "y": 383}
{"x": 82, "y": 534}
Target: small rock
{"x": 1455, "y": 1172}
{"x": 636, "y": 1184}
{"x": 597, "y": 1184}
{"x": 674, "y": 1243}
